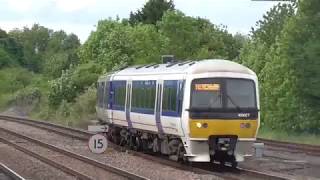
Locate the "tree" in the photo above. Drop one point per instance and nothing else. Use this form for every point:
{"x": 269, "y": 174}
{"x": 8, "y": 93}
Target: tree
{"x": 302, "y": 53}
{"x": 39, "y": 45}
{"x": 264, "y": 36}
{"x": 286, "y": 58}
{"x": 272, "y": 23}
{"x": 3, "y": 34}
{"x": 34, "y": 42}
{"x": 61, "y": 53}
{"x": 55, "y": 64}
{"x": 147, "y": 44}
{"x": 71, "y": 42}
{"x": 195, "y": 38}
{"x": 4, "y": 58}
{"x": 151, "y": 12}
{"x": 72, "y": 82}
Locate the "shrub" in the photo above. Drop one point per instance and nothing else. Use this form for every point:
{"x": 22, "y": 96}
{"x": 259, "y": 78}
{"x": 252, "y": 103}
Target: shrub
{"x": 72, "y": 83}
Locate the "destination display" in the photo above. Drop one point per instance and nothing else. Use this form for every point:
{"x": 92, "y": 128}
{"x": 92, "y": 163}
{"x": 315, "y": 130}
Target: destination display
{"x": 207, "y": 87}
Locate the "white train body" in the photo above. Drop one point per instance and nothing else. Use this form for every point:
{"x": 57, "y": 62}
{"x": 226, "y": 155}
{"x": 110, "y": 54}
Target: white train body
{"x": 156, "y": 103}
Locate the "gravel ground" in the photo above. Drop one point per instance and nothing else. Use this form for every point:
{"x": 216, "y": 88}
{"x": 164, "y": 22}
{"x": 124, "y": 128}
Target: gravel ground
{"x": 295, "y": 164}
{"x": 131, "y": 163}
{"x": 80, "y": 166}
{"x": 3, "y": 176}
{"x": 29, "y": 167}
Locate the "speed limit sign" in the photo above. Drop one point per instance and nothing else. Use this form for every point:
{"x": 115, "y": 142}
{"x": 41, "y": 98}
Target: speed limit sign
{"x": 98, "y": 143}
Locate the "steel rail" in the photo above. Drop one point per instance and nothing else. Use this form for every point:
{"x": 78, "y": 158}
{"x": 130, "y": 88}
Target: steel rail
{"x": 48, "y": 126}
{"x": 292, "y": 147}
{"x": 88, "y": 160}
{"x": 63, "y": 168}
{"x": 59, "y": 129}
{"x": 87, "y": 134}
{"x": 9, "y": 172}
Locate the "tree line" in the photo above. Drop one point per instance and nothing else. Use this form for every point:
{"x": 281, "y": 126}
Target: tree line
{"x": 284, "y": 52}
{"x": 282, "y": 48}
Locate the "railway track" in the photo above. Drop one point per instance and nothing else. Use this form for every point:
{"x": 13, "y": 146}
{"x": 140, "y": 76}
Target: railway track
{"x": 8, "y": 174}
{"x": 73, "y": 164}
{"x": 197, "y": 168}
{"x": 292, "y": 147}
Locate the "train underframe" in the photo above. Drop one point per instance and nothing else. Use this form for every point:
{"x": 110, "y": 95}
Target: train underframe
{"x": 220, "y": 149}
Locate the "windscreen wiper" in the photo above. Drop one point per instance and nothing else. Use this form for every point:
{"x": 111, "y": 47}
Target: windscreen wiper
{"x": 240, "y": 108}
{"x": 201, "y": 109}
{"x": 231, "y": 100}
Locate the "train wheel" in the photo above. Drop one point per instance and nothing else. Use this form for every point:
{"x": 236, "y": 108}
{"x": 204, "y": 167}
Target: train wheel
{"x": 137, "y": 144}
{"x": 131, "y": 142}
{"x": 234, "y": 164}
{"x": 181, "y": 154}
{"x": 123, "y": 141}
{"x": 222, "y": 163}
{"x": 144, "y": 145}
{"x": 115, "y": 136}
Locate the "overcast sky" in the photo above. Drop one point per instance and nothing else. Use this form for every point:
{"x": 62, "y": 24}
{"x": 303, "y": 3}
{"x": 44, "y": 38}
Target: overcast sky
{"x": 80, "y": 16}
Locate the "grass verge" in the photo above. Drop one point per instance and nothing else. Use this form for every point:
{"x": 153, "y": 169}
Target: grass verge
{"x": 302, "y": 138}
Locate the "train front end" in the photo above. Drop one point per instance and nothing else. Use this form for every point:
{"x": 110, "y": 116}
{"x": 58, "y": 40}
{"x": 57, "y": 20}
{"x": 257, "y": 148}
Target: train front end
{"x": 223, "y": 117}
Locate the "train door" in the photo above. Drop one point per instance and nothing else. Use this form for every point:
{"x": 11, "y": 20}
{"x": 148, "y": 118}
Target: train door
{"x": 128, "y": 103}
{"x": 108, "y": 100}
{"x": 158, "y": 108}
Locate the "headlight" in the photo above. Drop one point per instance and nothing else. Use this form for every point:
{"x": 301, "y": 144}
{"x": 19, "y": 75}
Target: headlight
{"x": 201, "y": 125}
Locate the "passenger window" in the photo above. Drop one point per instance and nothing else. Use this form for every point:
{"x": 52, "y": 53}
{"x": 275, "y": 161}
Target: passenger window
{"x": 106, "y": 94}
{"x": 143, "y": 96}
{"x": 171, "y": 100}
{"x": 119, "y": 92}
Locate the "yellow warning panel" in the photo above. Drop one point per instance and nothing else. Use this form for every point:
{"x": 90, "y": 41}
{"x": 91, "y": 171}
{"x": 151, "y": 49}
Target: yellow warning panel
{"x": 207, "y": 87}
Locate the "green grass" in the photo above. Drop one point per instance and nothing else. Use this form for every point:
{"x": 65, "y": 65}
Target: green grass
{"x": 5, "y": 99}
{"x": 303, "y": 138}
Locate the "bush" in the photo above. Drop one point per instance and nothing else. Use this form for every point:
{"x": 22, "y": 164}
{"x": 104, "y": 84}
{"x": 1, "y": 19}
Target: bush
{"x": 72, "y": 83}
{"x": 4, "y": 58}
{"x": 28, "y": 96}
{"x": 84, "y": 106}
{"x": 74, "y": 113}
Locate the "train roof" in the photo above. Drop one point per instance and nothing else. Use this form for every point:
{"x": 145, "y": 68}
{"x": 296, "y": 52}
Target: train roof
{"x": 186, "y": 67}
{"x": 191, "y": 67}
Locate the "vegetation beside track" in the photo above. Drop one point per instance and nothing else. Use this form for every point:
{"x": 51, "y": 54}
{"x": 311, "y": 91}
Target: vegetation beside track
{"x": 300, "y": 138}
{"x": 49, "y": 75}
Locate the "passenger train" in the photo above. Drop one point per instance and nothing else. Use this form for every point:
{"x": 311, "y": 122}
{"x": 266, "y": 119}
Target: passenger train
{"x": 196, "y": 111}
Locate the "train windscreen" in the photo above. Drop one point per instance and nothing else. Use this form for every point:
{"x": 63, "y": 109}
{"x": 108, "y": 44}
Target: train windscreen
{"x": 223, "y": 95}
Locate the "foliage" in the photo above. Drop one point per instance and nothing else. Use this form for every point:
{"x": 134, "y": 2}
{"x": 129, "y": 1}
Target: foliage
{"x": 151, "y": 12}
{"x": 72, "y": 82}
{"x": 39, "y": 44}
{"x": 27, "y": 96}
{"x": 286, "y": 58}
{"x": 4, "y": 58}
{"x": 17, "y": 83}
{"x": 289, "y": 136}
{"x": 283, "y": 49}
{"x": 272, "y": 23}
{"x": 196, "y": 38}
{"x": 10, "y": 50}
{"x": 115, "y": 42}
{"x": 3, "y": 34}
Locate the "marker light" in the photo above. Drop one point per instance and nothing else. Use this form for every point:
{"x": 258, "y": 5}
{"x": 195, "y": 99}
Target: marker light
{"x": 205, "y": 125}
{"x": 198, "y": 125}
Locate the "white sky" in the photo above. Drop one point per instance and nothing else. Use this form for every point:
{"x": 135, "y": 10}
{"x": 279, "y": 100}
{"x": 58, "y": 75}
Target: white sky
{"x": 81, "y": 16}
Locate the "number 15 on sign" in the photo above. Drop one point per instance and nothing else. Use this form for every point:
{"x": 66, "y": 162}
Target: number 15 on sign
{"x": 98, "y": 143}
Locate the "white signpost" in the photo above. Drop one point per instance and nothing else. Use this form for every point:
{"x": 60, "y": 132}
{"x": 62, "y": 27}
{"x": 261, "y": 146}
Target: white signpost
{"x": 98, "y": 143}
{"x": 98, "y": 128}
